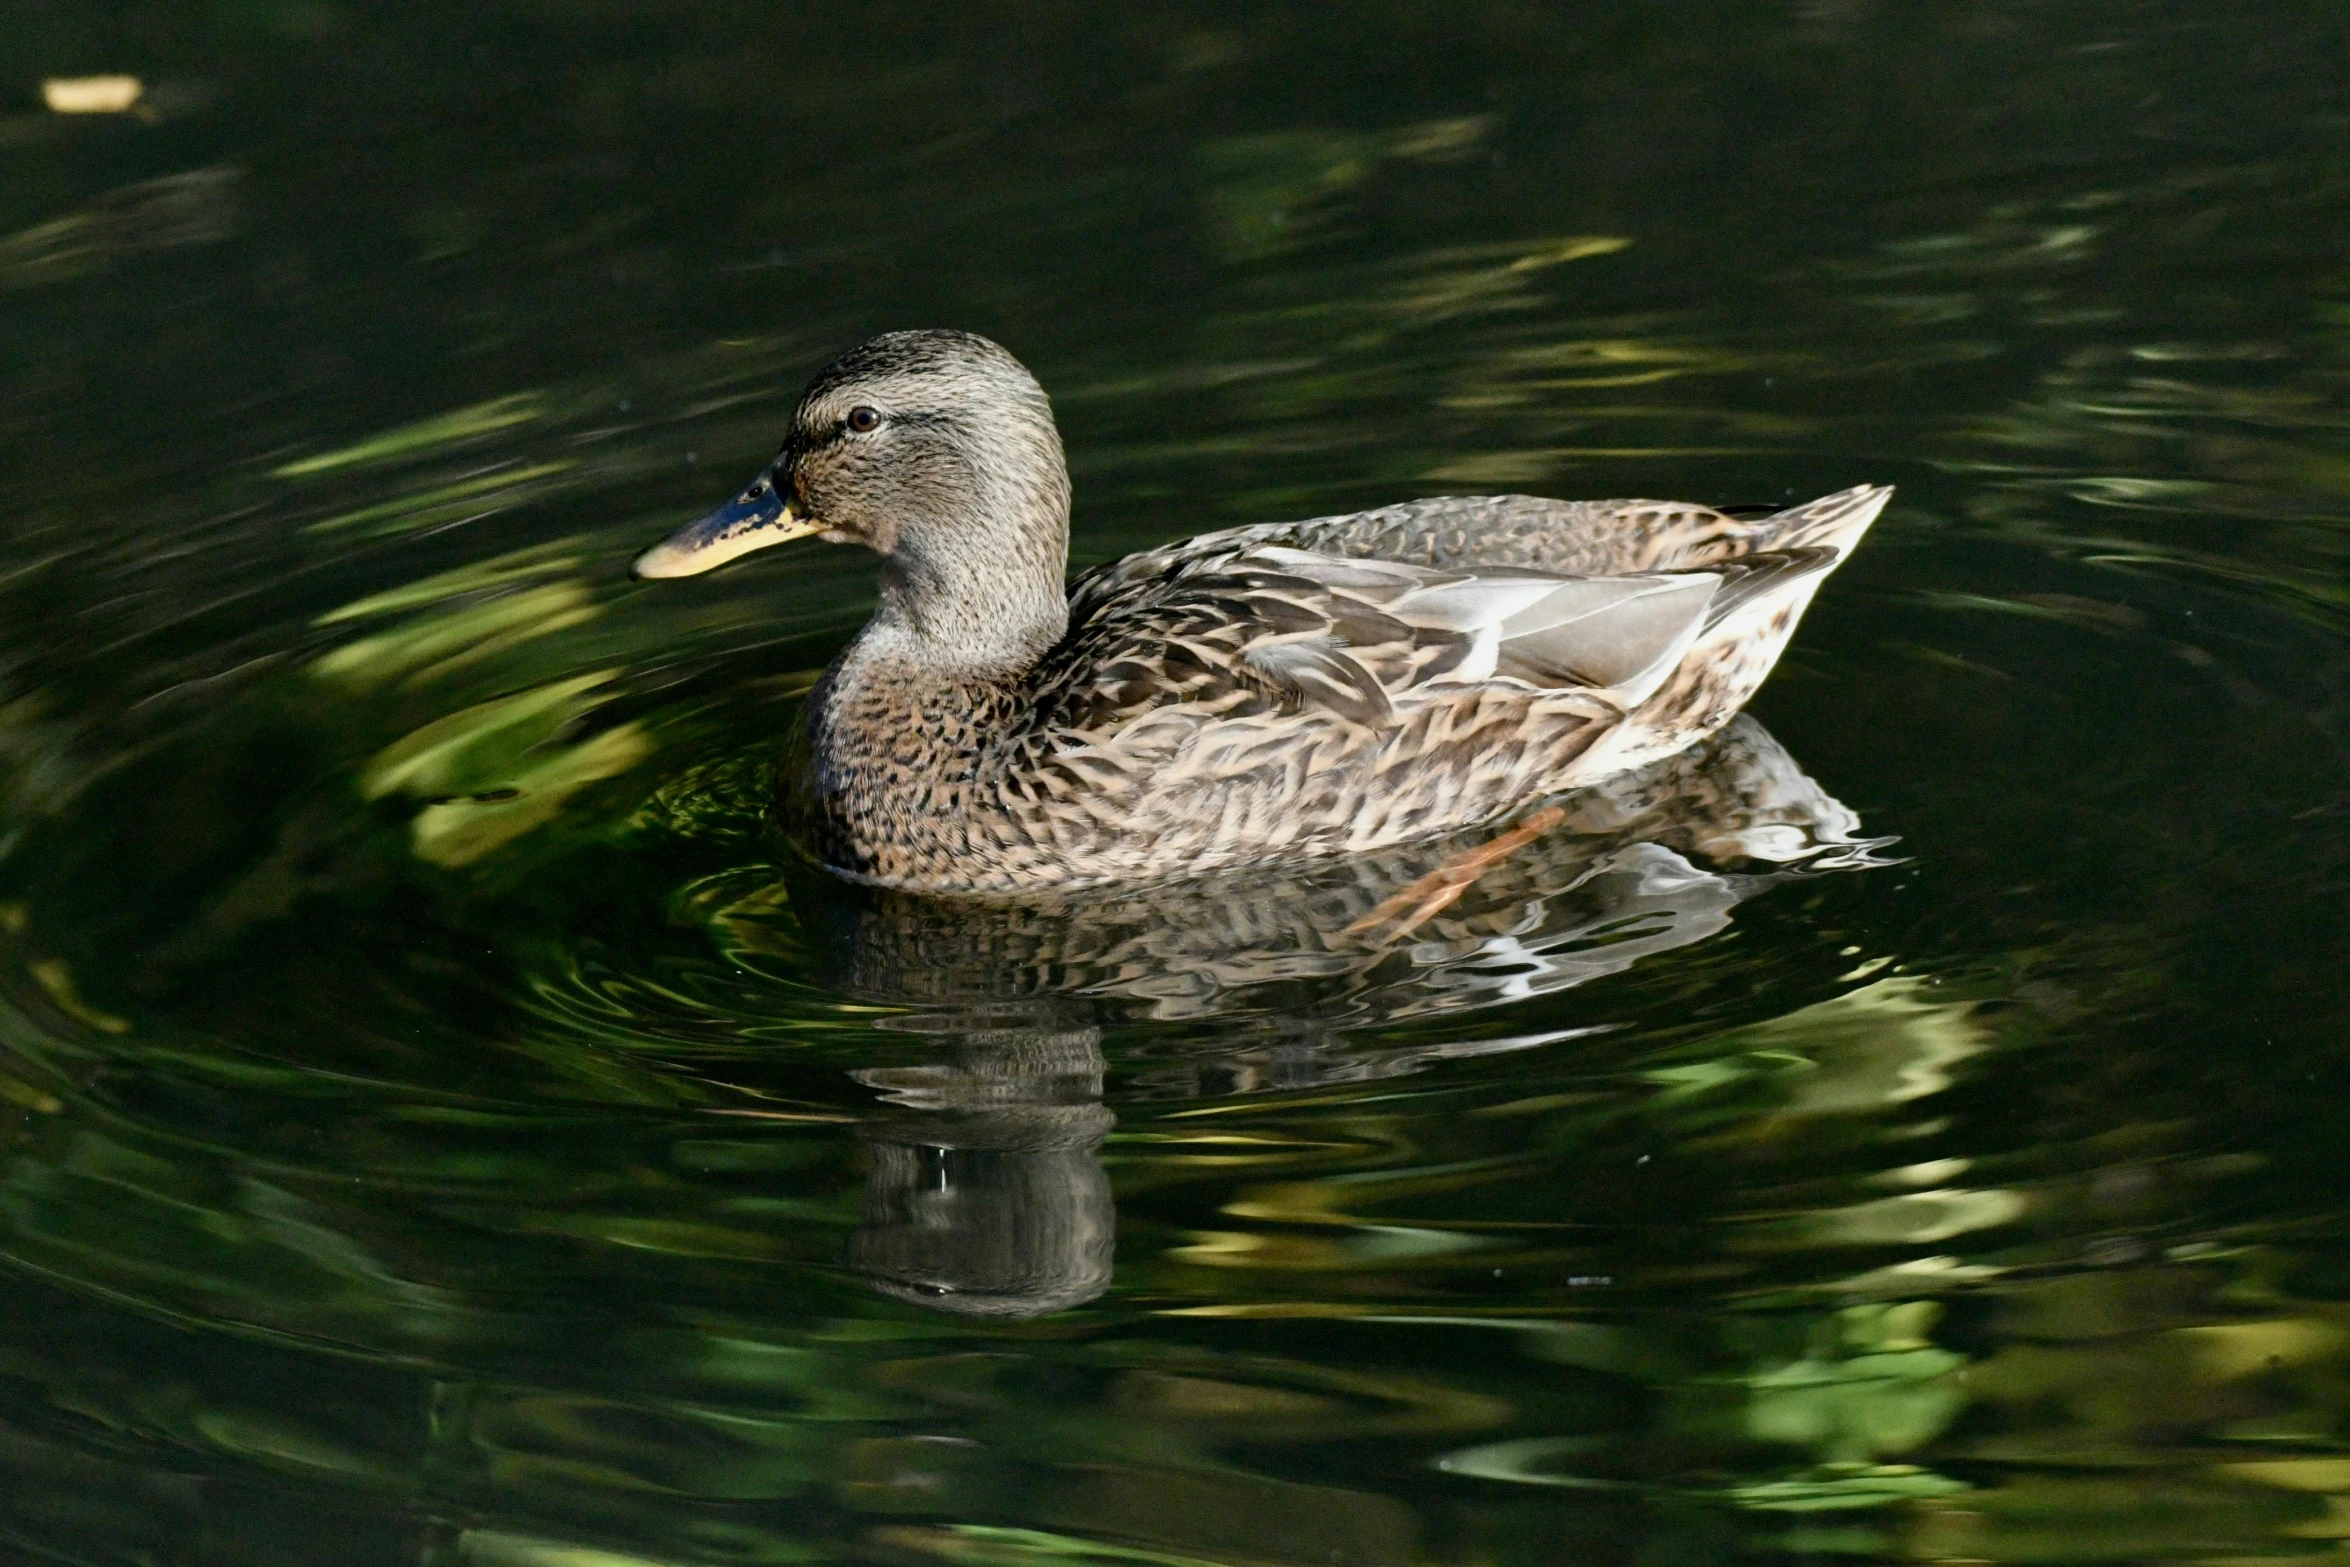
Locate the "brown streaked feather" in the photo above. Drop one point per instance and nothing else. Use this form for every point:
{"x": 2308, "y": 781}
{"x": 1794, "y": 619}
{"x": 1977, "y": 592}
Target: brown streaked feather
{"x": 1319, "y": 669}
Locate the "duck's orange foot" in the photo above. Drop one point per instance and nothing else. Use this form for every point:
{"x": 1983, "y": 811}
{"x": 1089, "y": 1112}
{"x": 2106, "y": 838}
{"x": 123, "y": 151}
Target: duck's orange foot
{"x": 1398, "y": 916}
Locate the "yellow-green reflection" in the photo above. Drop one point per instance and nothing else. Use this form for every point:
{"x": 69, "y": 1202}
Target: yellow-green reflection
{"x": 439, "y": 1124}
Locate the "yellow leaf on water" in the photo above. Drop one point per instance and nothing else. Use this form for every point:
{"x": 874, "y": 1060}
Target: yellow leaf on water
{"x": 91, "y": 94}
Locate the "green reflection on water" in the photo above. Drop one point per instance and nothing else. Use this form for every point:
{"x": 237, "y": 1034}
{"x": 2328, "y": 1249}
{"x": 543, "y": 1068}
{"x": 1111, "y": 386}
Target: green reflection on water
{"x": 438, "y": 1125}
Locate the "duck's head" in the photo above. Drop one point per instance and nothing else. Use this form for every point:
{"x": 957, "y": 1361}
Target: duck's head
{"x": 935, "y": 449}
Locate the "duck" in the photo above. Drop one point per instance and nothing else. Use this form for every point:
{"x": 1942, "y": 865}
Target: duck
{"x": 1333, "y": 686}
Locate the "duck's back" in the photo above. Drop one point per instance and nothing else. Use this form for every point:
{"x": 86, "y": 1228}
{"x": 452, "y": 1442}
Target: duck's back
{"x": 1522, "y": 532}
{"x": 1532, "y": 532}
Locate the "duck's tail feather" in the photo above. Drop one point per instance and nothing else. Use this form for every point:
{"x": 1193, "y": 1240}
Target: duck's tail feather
{"x": 1745, "y": 579}
{"x": 1833, "y": 522}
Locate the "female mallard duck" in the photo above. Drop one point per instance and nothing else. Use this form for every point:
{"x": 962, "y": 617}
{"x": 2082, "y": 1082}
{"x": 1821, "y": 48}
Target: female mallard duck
{"x": 1321, "y": 687}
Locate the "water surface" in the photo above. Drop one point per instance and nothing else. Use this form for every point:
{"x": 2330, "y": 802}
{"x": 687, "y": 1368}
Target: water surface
{"x": 437, "y": 1126}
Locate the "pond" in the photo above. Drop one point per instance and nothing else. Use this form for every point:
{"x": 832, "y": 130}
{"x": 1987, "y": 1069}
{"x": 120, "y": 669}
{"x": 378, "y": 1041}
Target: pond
{"x": 439, "y": 1124}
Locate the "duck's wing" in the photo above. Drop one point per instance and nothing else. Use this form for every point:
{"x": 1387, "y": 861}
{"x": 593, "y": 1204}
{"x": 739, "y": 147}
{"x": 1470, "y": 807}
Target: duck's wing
{"x": 1568, "y": 538}
{"x": 1531, "y": 532}
{"x": 1263, "y": 627}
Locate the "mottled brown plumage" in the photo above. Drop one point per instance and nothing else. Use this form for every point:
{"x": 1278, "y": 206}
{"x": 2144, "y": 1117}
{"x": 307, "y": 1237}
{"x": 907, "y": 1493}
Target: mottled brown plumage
{"x": 1645, "y": 861}
{"x": 1332, "y": 686}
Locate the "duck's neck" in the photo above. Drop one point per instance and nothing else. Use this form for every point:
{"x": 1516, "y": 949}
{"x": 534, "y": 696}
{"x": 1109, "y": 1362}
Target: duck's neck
{"x": 972, "y": 580}
{"x": 964, "y": 620}
{"x": 910, "y": 720}
{"x": 907, "y": 715}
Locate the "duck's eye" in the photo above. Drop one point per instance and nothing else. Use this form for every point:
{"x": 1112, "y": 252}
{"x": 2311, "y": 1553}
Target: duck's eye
{"x": 864, "y": 420}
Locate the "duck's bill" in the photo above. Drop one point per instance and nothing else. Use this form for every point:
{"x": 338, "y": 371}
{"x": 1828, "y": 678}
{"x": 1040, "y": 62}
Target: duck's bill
{"x": 742, "y": 525}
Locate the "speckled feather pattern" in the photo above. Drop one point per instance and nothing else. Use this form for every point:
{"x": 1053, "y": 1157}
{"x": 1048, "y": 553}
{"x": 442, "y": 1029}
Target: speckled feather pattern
{"x": 1150, "y": 742}
{"x": 1736, "y": 804}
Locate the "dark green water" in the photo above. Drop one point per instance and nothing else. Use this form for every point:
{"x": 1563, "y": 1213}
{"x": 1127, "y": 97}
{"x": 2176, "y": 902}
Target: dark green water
{"x": 435, "y": 1128}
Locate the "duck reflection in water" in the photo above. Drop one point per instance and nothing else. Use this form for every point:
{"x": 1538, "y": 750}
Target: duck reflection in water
{"x": 985, "y": 1193}
{"x": 984, "y": 1188}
